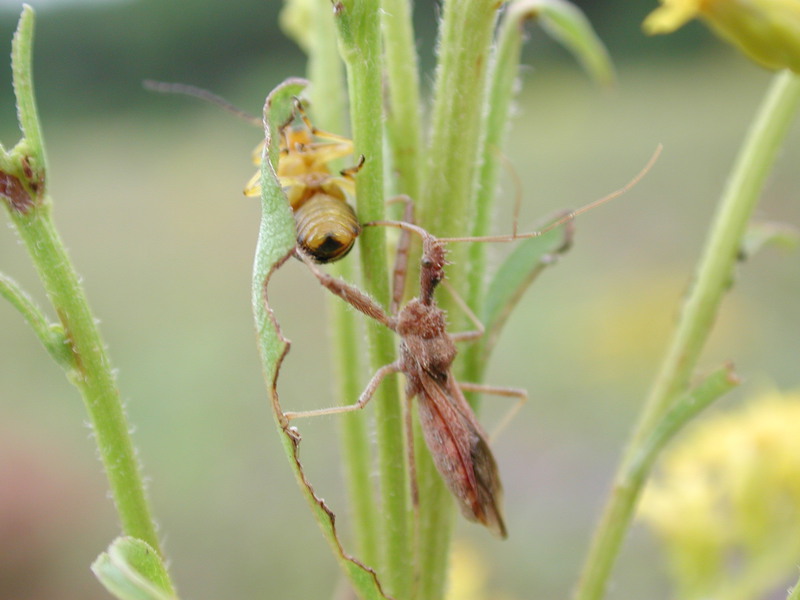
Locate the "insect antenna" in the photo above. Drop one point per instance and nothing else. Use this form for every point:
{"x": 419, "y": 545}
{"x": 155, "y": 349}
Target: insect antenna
{"x": 567, "y": 217}
{"x": 517, "y": 188}
{"x": 184, "y": 89}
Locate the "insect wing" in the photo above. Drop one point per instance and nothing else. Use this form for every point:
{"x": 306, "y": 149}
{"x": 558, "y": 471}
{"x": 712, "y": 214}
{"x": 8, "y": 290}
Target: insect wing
{"x": 460, "y": 451}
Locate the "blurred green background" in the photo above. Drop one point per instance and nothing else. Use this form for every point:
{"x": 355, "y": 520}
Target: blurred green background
{"x": 147, "y": 193}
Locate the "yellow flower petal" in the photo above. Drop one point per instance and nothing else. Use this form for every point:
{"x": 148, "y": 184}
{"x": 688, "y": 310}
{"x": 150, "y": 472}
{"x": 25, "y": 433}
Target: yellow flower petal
{"x": 767, "y": 31}
{"x": 672, "y": 15}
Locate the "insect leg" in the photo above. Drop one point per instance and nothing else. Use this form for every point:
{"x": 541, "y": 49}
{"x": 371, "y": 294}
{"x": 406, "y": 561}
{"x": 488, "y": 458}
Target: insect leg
{"x": 400, "y": 273}
{"x": 350, "y": 172}
{"x": 350, "y": 294}
{"x": 412, "y": 464}
{"x": 365, "y": 396}
{"x": 300, "y": 111}
{"x": 507, "y": 392}
{"x": 464, "y": 336}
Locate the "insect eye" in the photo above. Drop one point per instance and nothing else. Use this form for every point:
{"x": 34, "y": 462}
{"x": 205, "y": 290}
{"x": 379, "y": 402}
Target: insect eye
{"x": 426, "y": 262}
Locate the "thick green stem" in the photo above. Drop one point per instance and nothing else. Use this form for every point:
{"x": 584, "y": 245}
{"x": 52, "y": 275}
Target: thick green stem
{"x": 358, "y": 23}
{"x": 328, "y": 104}
{"x": 446, "y": 209}
{"x": 713, "y": 278}
{"x": 505, "y": 65}
{"x": 403, "y": 102}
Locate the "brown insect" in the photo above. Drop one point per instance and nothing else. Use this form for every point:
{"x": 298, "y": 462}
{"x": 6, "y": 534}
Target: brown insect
{"x": 457, "y": 441}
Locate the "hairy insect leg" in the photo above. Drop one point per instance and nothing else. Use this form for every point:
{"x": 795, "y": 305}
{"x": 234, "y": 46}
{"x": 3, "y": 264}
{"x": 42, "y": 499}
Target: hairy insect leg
{"x": 349, "y": 293}
{"x": 365, "y": 396}
{"x": 508, "y": 392}
{"x": 400, "y": 271}
{"x": 464, "y": 336}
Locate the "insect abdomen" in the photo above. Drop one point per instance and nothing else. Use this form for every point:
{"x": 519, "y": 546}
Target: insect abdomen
{"x": 327, "y": 227}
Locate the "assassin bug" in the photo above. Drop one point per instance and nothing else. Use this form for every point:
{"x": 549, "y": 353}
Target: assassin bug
{"x": 327, "y": 226}
{"x": 458, "y": 443}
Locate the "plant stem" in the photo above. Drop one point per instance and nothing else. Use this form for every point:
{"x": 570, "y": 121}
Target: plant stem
{"x": 713, "y": 278}
{"x": 92, "y": 373}
{"x": 328, "y": 96}
{"x": 504, "y": 68}
{"x": 358, "y": 23}
{"x": 715, "y": 271}
{"x": 402, "y": 111}
{"x": 447, "y": 209}
{"x": 89, "y": 368}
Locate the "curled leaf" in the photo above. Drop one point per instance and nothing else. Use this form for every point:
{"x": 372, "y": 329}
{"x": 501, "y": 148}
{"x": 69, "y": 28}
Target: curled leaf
{"x": 276, "y": 245}
{"x": 566, "y": 24}
{"x": 132, "y": 570}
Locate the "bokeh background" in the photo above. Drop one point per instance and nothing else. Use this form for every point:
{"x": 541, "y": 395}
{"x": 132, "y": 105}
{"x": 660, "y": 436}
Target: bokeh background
{"x": 147, "y": 192}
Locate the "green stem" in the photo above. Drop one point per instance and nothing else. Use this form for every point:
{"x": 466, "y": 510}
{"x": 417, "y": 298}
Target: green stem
{"x": 402, "y": 110}
{"x": 358, "y": 23}
{"x": 505, "y": 66}
{"x": 713, "y": 278}
{"x": 456, "y": 134}
{"x": 631, "y": 479}
{"x": 89, "y": 367}
{"x": 328, "y": 105}
{"x": 446, "y": 208}
{"x": 715, "y": 271}
{"x": 92, "y": 373}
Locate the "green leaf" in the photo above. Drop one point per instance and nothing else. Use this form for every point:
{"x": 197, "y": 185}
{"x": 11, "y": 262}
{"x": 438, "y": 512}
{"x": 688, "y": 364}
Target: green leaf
{"x": 685, "y": 408}
{"x": 276, "y": 245}
{"x": 132, "y": 570}
{"x": 51, "y": 335}
{"x": 21, "y": 65}
{"x": 764, "y": 233}
{"x": 566, "y": 23}
{"x": 518, "y": 271}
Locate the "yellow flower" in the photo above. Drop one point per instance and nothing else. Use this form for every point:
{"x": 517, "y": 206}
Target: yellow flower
{"x": 727, "y": 501}
{"x": 469, "y": 575}
{"x": 768, "y": 31}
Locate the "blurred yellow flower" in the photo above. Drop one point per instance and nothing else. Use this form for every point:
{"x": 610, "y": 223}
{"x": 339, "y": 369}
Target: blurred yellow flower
{"x": 727, "y": 501}
{"x": 469, "y": 575}
{"x": 768, "y": 31}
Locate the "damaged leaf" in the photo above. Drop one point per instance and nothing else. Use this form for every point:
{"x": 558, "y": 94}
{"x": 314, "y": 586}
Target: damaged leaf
{"x": 276, "y": 245}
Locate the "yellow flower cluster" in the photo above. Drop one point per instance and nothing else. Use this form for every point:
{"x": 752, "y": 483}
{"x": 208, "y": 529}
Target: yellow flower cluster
{"x": 727, "y": 501}
{"x": 768, "y": 31}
